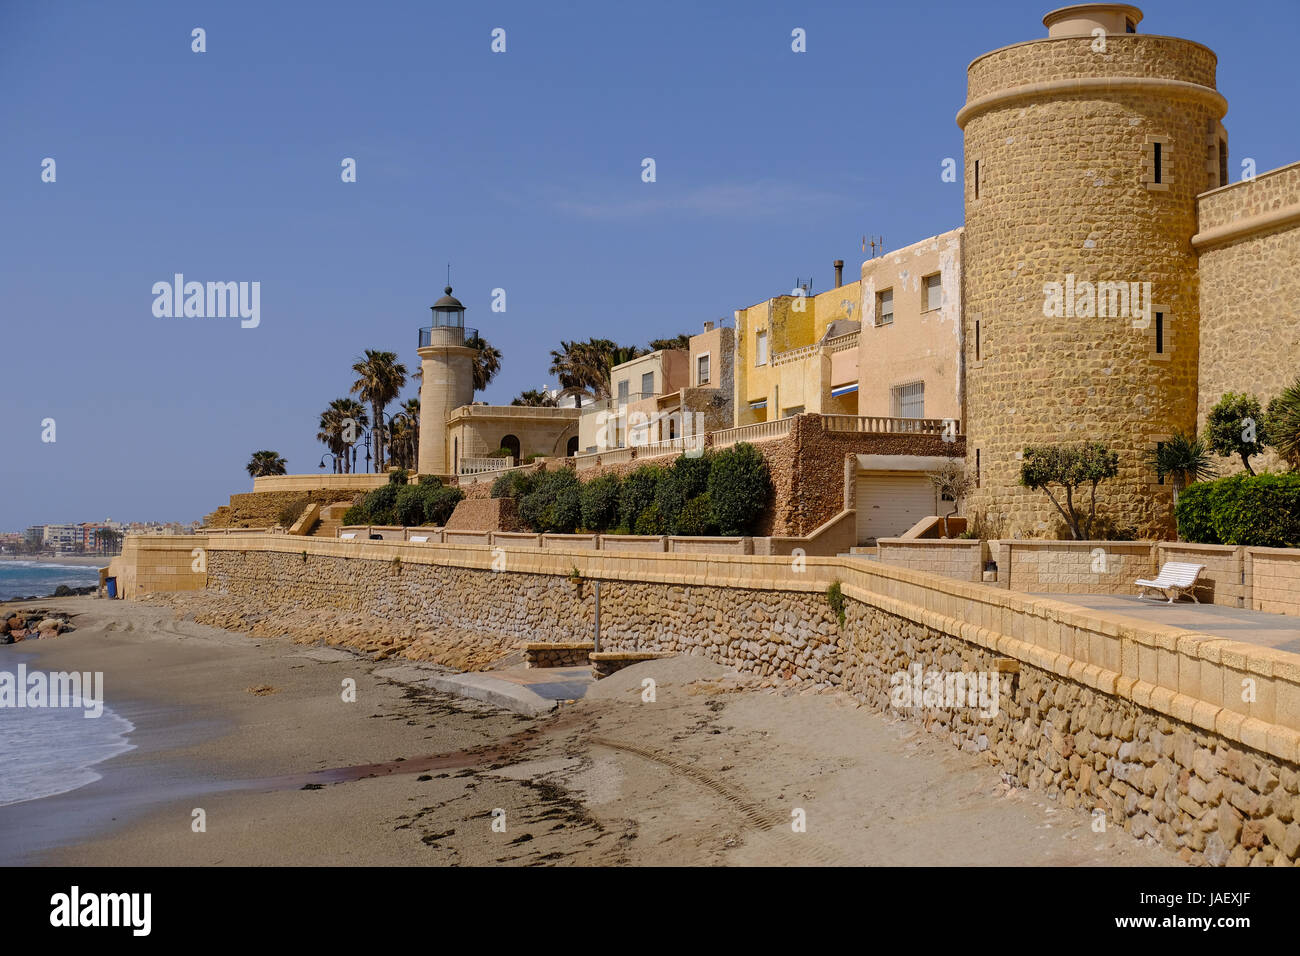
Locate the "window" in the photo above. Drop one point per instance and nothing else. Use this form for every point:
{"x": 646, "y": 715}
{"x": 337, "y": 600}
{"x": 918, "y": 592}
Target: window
{"x": 1160, "y": 475}
{"x": 702, "y": 370}
{"x": 885, "y": 307}
{"x": 977, "y": 340}
{"x": 977, "y": 179}
{"x": 931, "y": 293}
{"x": 1130, "y": 26}
{"x": 622, "y": 392}
{"x": 1155, "y": 158}
{"x": 1160, "y": 333}
{"x": 760, "y": 350}
{"x": 909, "y": 400}
{"x": 977, "y": 467}
{"x": 647, "y": 384}
{"x": 1223, "y": 162}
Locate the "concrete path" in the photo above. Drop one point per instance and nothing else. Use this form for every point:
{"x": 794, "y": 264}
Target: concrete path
{"x": 1280, "y": 631}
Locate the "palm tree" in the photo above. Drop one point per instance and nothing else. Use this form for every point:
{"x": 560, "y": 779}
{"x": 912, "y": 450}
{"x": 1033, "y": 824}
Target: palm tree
{"x": 335, "y": 432}
{"x": 400, "y": 431}
{"x": 682, "y": 341}
{"x": 587, "y": 364}
{"x": 411, "y": 409}
{"x": 265, "y": 463}
{"x": 535, "y": 398}
{"x": 107, "y": 539}
{"x": 1283, "y": 418}
{"x": 486, "y": 363}
{"x": 1184, "y": 458}
{"x": 380, "y": 379}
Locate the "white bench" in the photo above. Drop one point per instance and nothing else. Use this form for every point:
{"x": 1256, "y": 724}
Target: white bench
{"x": 1175, "y": 578}
{"x": 420, "y": 538}
{"x": 349, "y": 536}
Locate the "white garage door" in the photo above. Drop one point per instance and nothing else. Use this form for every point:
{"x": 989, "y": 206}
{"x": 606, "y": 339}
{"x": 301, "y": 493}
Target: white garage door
{"x": 889, "y": 503}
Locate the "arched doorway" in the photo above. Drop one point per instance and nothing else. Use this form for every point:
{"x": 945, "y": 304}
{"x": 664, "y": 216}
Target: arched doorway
{"x": 511, "y": 443}
{"x": 573, "y": 446}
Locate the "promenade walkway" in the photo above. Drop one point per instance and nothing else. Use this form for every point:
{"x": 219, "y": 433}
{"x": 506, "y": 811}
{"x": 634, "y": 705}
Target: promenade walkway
{"x": 1279, "y": 631}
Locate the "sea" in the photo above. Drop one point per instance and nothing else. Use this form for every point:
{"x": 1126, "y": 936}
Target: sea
{"x": 45, "y": 751}
{"x": 20, "y": 579}
{"x": 49, "y": 750}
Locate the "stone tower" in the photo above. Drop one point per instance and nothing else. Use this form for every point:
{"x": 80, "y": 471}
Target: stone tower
{"x": 1085, "y": 152}
{"x": 447, "y": 382}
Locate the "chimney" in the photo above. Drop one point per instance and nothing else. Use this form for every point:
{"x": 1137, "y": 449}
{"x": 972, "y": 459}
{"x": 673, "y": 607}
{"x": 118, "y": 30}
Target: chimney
{"x": 839, "y": 273}
{"x": 708, "y": 326}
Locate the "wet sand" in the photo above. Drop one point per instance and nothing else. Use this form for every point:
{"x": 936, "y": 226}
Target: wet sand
{"x": 710, "y": 773}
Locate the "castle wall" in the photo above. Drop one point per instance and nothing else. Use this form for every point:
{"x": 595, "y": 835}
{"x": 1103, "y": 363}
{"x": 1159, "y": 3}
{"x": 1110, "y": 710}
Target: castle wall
{"x": 1249, "y": 244}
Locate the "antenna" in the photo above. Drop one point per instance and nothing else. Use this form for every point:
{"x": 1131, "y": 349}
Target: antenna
{"x": 449, "y": 273}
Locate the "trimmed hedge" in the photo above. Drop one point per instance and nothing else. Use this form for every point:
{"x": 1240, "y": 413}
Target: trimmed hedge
{"x": 1256, "y": 510}
{"x": 406, "y": 505}
{"x": 599, "y": 502}
{"x": 513, "y": 484}
{"x": 739, "y": 488}
{"x": 638, "y": 495}
{"x": 686, "y": 478}
{"x": 554, "y": 505}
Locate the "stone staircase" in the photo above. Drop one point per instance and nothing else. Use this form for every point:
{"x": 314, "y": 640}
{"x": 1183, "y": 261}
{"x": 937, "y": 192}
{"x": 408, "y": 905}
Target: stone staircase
{"x": 331, "y": 519}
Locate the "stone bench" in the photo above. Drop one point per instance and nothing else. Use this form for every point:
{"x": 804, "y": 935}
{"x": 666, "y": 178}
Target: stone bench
{"x": 604, "y": 663}
{"x": 556, "y": 653}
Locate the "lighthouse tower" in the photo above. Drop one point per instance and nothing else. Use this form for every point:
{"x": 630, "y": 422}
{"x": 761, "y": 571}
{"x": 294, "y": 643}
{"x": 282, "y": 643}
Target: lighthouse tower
{"x": 447, "y": 383}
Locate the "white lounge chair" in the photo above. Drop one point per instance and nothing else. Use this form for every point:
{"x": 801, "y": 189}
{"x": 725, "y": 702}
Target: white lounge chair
{"x": 1175, "y": 578}
{"x": 349, "y": 536}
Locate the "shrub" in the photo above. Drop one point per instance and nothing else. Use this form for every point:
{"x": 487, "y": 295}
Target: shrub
{"x": 554, "y": 505}
{"x": 513, "y": 484}
{"x": 439, "y": 503}
{"x": 500, "y": 453}
{"x": 430, "y": 480}
{"x": 739, "y": 488}
{"x": 599, "y": 502}
{"x": 696, "y": 517}
{"x": 355, "y": 515}
{"x": 685, "y": 479}
{"x": 1193, "y": 513}
{"x": 649, "y": 521}
{"x": 399, "y": 477}
{"x": 1258, "y": 510}
{"x": 378, "y": 505}
{"x": 638, "y": 494}
{"x": 291, "y": 511}
{"x": 408, "y": 506}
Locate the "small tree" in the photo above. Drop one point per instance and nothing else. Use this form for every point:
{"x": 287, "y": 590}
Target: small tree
{"x": 952, "y": 482}
{"x": 1073, "y": 467}
{"x": 1235, "y": 426}
{"x": 739, "y": 488}
{"x": 1283, "y": 423}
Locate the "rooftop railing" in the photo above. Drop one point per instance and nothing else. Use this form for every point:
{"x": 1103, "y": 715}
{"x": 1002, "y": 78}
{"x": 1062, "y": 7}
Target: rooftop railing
{"x": 446, "y": 334}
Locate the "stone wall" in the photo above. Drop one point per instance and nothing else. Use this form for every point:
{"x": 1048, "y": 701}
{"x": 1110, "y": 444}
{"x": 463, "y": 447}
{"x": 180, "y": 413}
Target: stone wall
{"x": 1145, "y": 725}
{"x": 485, "y": 514}
{"x": 261, "y": 509}
{"x": 1222, "y": 577}
{"x": 1250, "y": 331}
{"x": 1274, "y": 576}
{"x": 1073, "y": 567}
{"x": 958, "y": 558}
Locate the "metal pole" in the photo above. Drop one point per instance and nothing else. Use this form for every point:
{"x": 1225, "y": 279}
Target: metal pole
{"x": 597, "y": 640}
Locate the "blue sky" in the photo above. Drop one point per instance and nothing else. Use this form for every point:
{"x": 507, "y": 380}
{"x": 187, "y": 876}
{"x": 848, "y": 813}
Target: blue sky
{"x": 522, "y": 169}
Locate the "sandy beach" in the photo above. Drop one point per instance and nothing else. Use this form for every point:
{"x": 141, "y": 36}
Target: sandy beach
{"x": 255, "y": 733}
